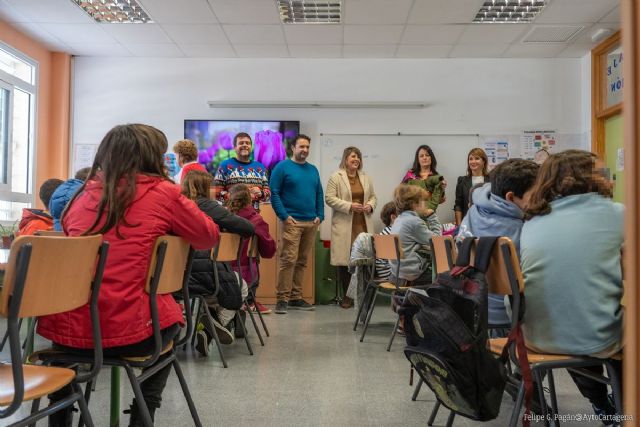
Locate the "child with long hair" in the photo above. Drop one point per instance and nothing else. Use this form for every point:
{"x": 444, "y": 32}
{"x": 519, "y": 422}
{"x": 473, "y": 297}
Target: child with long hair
{"x": 240, "y": 204}
{"x": 130, "y": 201}
{"x": 571, "y": 252}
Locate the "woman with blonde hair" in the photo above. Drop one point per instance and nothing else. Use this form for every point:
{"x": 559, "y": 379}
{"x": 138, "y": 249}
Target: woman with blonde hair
{"x": 477, "y": 174}
{"x": 351, "y": 197}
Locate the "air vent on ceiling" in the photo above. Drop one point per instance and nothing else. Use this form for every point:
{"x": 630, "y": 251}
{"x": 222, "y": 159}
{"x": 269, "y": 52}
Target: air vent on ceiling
{"x": 552, "y": 34}
{"x": 310, "y": 12}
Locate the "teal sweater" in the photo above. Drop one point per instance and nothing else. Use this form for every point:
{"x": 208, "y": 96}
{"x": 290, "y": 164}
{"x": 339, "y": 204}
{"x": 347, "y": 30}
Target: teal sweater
{"x": 572, "y": 275}
{"x": 296, "y": 191}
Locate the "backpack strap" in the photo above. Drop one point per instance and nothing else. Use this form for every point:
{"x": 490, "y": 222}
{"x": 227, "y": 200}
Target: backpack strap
{"x": 483, "y": 252}
{"x": 516, "y": 336}
{"x": 464, "y": 252}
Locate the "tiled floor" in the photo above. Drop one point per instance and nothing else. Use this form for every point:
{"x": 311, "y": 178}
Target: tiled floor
{"x": 313, "y": 371}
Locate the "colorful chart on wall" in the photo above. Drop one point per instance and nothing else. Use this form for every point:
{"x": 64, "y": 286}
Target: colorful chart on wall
{"x": 535, "y": 142}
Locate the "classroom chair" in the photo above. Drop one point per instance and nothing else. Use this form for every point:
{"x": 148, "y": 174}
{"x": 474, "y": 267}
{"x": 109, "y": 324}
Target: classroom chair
{"x": 49, "y": 275}
{"x": 254, "y": 268}
{"x": 386, "y": 247}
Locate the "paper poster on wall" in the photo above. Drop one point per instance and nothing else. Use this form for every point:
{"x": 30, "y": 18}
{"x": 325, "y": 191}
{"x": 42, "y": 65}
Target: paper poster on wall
{"x": 497, "y": 151}
{"x": 534, "y": 141}
{"x": 620, "y": 160}
{"x": 83, "y": 155}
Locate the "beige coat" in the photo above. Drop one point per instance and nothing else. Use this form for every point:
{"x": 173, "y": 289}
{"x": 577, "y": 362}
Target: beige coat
{"x": 338, "y": 197}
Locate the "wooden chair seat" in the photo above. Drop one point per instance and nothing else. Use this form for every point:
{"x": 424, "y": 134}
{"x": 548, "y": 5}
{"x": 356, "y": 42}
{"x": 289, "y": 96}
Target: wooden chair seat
{"x": 497, "y": 344}
{"x": 391, "y": 287}
{"x": 140, "y": 359}
{"x": 38, "y": 381}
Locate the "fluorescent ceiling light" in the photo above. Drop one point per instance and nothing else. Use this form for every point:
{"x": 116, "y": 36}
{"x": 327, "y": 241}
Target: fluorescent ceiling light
{"x": 310, "y": 12}
{"x": 114, "y": 11}
{"x": 319, "y": 104}
{"x": 509, "y": 11}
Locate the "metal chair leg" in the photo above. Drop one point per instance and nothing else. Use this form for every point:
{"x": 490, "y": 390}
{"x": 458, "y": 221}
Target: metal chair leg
{"x": 264, "y": 325}
{"x": 363, "y": 304}
{"x": 187, "y": 394}
{"x": 246, "y": 337}
{"x": 145, "y": 416}
{"x": 452, "y": 415}
{"x": 369, "y": 313}
{"x": 393, "y": 334}
{"x": 552, "y": 393}
{"x": 513, "y": 422}
{"x": 217, "y": 341}
{"x": 616, "y": 386}
{"x": 85, "y": 415}
{"x": 35, "y": 405}
{"x": 255, "y": 325}
{"x": 417, "y": 390}
{"x": 543, "y": 403}
{"x": 434, "y": 413}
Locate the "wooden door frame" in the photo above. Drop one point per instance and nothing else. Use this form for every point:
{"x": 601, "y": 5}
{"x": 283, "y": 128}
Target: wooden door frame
{"x": 599, "y": 111}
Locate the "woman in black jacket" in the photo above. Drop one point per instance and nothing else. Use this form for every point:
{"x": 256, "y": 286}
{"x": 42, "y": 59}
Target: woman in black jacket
{"x": 196, "y": 186}
{"x": 476, "y": 174}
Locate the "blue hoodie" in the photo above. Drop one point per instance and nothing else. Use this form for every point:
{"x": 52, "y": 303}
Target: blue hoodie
{"x": 492, "y": 215}
{"x": 60, "y": 198}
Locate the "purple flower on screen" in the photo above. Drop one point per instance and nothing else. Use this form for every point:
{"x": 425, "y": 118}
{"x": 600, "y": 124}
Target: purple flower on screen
{"x": 225, "y": 139}
{"x": 269, "y": 149}
{"x": 204, "y": 157}
{"x": 213, "y": 150}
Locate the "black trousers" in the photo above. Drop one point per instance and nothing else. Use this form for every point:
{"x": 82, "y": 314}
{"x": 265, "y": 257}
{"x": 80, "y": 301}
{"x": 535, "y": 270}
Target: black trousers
{"x": 151, "y": 388}
{"x": 344, "y": 277}
{"x": 595, "y": 391}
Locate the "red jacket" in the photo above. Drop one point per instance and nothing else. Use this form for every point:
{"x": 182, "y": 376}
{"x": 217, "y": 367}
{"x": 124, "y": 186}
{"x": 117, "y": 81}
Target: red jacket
{"x": 158, "y": 209}
{"x": 266, "y": 244}
{"x": 34, "y": 220}
{"x": 193, "y": 166}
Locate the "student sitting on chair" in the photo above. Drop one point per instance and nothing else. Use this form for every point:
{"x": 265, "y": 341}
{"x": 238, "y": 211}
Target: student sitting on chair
{"x": 414, "y": 235}
{"x": 130, "y": 201}
{"x": 240, "y": 203}
{"x": 571, "y": 252}
{"x": 196, "y": 186}
{"x": 498, "y": 210}
{"x": 388, "y": 216}
{"x": 60, "y": 198}
{"x": 34, "y": 220}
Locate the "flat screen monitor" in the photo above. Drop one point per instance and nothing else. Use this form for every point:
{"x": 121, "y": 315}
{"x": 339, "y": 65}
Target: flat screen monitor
{"x": 214, "y": 139}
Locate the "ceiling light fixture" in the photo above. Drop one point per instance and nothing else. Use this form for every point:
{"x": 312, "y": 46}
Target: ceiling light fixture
{"x": 509, "y": 11}
{"x": 115, "y": 11}
{"x": 310, "y": 12}
{"x": 384, "y": 105}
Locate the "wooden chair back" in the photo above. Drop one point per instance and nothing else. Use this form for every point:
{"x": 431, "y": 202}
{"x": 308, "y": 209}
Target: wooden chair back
{"x": 59, "y": 274}
{"x": 229, "y": 248}
{"x": 387, "y": 246}
{"x": 443, "y": 250}
{"x": 174, "y": 261}
{"x": 504, "y": 274}
{"x": 49, "y": 233}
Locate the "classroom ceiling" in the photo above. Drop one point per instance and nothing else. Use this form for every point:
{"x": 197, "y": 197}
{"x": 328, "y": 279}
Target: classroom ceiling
{"x": 370, "y": 29}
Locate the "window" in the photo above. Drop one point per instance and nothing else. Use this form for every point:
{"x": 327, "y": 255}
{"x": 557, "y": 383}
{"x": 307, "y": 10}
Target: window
{"x": 17, "y": 106}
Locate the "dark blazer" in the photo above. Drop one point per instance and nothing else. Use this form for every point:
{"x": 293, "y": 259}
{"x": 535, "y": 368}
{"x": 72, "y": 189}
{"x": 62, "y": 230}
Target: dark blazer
{"x": 463, "y": 187}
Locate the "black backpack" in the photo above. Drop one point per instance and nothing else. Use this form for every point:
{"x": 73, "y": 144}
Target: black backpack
{"x": 446, "y": 332}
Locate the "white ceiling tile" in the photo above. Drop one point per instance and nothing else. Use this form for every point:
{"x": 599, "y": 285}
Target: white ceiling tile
{"x": 478, "y": 51}
{"x": 254, "y": 34}
{"x": 179, "y": 12}
{"x": 423, "y": 51}
{"x": 534, "y": 50}
{"x": 576, "y": 50}
{"x": 246, "y": 11}
{"x": 315, "y": 51}
{"x": 432, "y": 34}
{"x": 36, "y": 32}
{"x": 137, "y": 33}
{"x": 444, "y": 11}
{"x": 208, "y": 50}
{"x": 52, "y": 11}
{"x": 369, "y": 51}
{"x": 195, "y": 33}
{"x": 376, "y": 11}
{"x": 372, "y": 34}
{"x": 575, "y": 11}
{"x": 79, "y": 33}
{"x": 493, "y": 33}
{"x": 262, "y": 50}
{"x": 613, "y": 16}
{"x": 313, "y": 34}
{"x": 155, "y": 50}
{"x": 98, "y": 49}
{"x": 9, "y": 14}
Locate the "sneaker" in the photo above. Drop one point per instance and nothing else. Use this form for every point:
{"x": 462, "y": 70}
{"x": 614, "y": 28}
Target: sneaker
{"x": 607, "y": 414}
{"x": 300, "y": 304}
{"x": 281, "y": 307}
{"x": 239, "y": 332}
{"x": 210, "y": 324}
{"x": 261, "y": 308}
{"x": 202, "y": 342}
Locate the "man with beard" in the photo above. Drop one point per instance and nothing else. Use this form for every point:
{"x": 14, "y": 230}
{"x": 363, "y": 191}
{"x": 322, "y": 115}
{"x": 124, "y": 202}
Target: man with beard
{"x": 297, "y": 198}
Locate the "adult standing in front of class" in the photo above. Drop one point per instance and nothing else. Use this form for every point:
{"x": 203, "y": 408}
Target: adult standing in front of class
{"x": 476, "y": 175}
{"x": 297, "y": 199}
{"x": 351, "y": 197}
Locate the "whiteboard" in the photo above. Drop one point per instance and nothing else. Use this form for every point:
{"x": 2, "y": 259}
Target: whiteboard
{"x": 386, "y": 158}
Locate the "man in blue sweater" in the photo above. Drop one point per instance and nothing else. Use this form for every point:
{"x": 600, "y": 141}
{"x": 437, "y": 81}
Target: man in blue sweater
{"x": 297, "y": 199}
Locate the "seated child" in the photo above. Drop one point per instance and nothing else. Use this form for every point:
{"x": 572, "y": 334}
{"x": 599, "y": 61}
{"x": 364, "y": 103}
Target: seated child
{"x": 414, "y": 235}
{"x": 39, "y": 219}
{"x": 240, "y": 204}
{"x": 63, "y": 194}
{"x": 498, "y": 210}
{"x": 196, "y": 186}
{"x": 571, "y": 253}
{"x": 388, "y": 216}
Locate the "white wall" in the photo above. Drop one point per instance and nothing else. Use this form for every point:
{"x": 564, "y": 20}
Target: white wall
{"x": 483, "y": 96}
